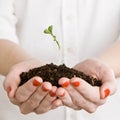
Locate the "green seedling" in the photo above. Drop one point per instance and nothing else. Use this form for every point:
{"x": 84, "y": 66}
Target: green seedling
{"x": 49, "y": 31}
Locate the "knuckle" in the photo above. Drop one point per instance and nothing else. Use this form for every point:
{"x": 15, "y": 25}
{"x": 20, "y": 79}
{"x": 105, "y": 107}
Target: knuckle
{"x": 77, "y": 108}
{"x": 40, "y": 111}
{"x": 14, "y": 101}
{"x": 79, "y": 102}
{"x": 94, "y": 99}
{"x": 32, "y": 103}
{"x": 92, "y": 110}
{"x": 19, "y": 98}
{"x": 101, "y": 102}
{"x": 23, "y": 111}
{"x": 37, "y": 112}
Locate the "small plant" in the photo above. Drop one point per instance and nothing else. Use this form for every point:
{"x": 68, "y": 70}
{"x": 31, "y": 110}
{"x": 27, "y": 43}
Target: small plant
{"x": 49, "y": 30}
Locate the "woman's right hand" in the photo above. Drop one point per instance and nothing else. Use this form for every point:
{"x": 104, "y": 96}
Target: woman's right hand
{"x": 33, "y": 95}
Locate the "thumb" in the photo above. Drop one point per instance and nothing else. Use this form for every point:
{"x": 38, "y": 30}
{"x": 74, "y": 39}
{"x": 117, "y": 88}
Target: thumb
{"x": 108, "y": 87}
{"x": 11, "y": 90}
{"x": 10, "y": 86}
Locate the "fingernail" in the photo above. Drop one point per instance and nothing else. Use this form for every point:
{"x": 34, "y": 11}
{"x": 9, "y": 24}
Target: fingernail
{"x": 65, "y": 84}
{"x": 52, "y": 94}
{"x": 62, "y": 95}
{"x": 36, "y": 83}
{"x": 8, "y": 90}
{"x": 76, "y": 83}
{"x": 44, "y": 89}
{"x": 107, "y": 92}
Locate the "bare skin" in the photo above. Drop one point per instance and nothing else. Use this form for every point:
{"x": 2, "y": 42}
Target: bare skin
{"x": 32, "y": 96}
{"x": 76, "y": 96}
{"x": 105, "y": 67}
{"x": 84, "y": 96}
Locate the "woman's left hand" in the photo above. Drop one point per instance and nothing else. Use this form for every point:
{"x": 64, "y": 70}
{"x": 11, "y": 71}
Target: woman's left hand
{"x": 78, "y": 94}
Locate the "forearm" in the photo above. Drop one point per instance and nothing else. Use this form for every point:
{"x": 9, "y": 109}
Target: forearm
{"x": 10, "y": 54}
{"x": 112, "y": 57}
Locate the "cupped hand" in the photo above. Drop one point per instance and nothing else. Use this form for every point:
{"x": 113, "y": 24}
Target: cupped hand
{"x": 33, "y": 96}
{"x": 78, "y": 94}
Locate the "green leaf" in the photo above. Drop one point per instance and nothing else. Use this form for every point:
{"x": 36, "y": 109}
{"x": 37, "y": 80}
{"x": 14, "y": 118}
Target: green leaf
{"x": 49, "y": 31}
{"x": 50, "y": 28}
{"x": 46, "y": 31}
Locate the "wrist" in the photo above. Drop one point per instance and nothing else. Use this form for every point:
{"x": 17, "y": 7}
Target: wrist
{"x": 111, "y": 63}
{"x": 11, "y": 55}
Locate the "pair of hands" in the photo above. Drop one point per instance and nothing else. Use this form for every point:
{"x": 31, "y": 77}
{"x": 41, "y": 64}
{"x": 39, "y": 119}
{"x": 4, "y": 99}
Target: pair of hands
{"x": 39, "y": 97}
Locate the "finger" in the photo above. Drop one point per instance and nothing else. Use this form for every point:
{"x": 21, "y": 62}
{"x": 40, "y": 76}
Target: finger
{"x": 35, "y": 100}
{"x": 64, "y": 94}
{"x": 11, "y": 84}
{"x": 108, "y": 84}
{"x": 56, "y": 103}
{"x": 74, "y": 99}
{"x": 27, "y": 89}
{"x": 89, "y": 92}
{"x": 11, "y": 89}
{"x": 67, "y": 99}
{"x": 46, "y": 104}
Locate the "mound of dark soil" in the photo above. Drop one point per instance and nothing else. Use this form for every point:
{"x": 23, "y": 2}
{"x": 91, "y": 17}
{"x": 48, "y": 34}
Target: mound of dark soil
{"x": 52, "y": 73}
